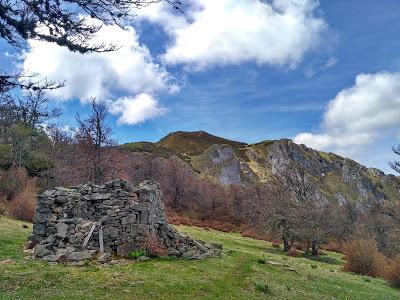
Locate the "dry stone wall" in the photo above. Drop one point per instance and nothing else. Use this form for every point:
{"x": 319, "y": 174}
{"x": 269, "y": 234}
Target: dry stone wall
{"x": 87, "y": 221}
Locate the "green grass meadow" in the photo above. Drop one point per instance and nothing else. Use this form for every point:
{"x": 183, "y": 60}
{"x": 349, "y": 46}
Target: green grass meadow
{"x": 248, "y": 269}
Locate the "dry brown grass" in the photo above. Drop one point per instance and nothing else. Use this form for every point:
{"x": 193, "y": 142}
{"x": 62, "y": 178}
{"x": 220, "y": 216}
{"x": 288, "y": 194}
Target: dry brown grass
{"x": 258, "y": 236}
{"x": 176, "y": 219}
{"x": 333, "y": 247}
{"x": 293, "y": 252}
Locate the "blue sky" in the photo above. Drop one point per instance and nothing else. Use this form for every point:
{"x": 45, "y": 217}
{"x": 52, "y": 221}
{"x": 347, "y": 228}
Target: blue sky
{"x": 331, "y": 80}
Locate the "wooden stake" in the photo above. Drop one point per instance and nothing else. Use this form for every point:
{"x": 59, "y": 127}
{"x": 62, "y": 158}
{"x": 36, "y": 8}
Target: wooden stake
{"x": 86, "y": 241}
{"x": 101, "y": 239}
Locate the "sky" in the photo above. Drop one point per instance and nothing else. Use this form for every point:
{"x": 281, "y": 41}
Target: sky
{"x": 323, "y": 73}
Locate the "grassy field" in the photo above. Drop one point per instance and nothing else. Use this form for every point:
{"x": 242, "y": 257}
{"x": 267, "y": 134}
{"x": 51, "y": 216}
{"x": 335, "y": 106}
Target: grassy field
{"x": 245, "y": 263}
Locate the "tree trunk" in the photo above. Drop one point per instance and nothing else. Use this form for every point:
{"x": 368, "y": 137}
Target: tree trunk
{"x": 286, "y": 246}
{"x": 314, "y": 248}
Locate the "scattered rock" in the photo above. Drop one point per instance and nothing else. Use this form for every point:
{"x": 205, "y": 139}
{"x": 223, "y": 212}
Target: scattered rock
{"x": 143, "y": 258}
{"x": 62, "y": 230}
{"x": 78, "y": 256}
{"x": 104, "y": 258}
{"x": 6, "y": 262}
{"x": 41, "y": 250}
{"x": 28, "y": 251}
{"x": 58, "y": 257}
{"x": 118, "y": 262}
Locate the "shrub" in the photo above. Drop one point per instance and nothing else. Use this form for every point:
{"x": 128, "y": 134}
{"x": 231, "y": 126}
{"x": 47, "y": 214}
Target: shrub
{"x": 393, "y": 274}
{"x": 135, "y": 254}
{"x": 363, "y": 257}
{"x": 314, "y": 266}
{"x": 24, "y": 205}
{"x": 293, "y": 252}
{"x": 12, "y": 182}
{"x": 262, "y": 287}
{"x": 18, "y": 194}
{"x": 153, "y": 246}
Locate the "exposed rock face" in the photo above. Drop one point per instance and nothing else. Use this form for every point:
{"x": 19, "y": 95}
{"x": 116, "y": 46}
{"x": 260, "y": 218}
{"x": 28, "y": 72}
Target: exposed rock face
{"x": 343, "y": 179}
{"x": 77, "y": 223}
{"x": 222, "y": 162}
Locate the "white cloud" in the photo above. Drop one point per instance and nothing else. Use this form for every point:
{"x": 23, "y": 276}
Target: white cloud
{"x": 278, "y": 32}
{"x": 137, "y": 110}
{"x": 359, "y": 115}
{"x": 130, "y": 69}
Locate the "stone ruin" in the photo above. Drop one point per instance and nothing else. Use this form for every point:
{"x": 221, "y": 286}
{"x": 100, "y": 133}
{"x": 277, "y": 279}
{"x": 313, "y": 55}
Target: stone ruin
{"x": 89, "y": 221}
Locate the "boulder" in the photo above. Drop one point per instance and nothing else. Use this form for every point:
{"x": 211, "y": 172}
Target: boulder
{"x": 62, "y": 230}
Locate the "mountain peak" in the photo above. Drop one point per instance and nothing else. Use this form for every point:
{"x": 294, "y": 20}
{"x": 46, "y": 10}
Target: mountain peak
{"x": 194, "y": 142}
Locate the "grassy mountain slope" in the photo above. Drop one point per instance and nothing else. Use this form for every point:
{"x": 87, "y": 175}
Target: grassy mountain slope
{"x": 231, "y": 277}
{"x": 194, "y": 143}
{"x": 147, "y": 147}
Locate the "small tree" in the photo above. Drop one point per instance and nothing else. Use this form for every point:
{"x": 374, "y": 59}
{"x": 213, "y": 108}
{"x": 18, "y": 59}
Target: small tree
{"x": 275, "y": 211}
{"x": 396, "y": 164}
{"x": 309, "y": 209}
{"x": 93, "y": 135}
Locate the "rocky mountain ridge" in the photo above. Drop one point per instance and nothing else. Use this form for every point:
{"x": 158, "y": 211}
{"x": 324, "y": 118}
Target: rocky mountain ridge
{"x": 232, "y": 162}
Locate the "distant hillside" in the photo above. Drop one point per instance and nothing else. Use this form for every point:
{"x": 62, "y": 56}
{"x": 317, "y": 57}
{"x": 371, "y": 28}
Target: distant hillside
{"x": 233, "y": 162}
{"x": 147, "y": 147}
{"x": 194, "y": 143}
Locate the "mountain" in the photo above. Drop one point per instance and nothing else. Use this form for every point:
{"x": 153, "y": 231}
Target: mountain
{"x": 194, "y": 143}
{"x": 233, "y": 162}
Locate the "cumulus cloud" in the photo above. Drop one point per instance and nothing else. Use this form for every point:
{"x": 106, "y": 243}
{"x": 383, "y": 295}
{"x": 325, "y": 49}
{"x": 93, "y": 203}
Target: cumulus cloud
{"x": 130, "y": 69}
{"x": 358, "y": 115}
{"x": 137, "y": 109}
{"x": 278, "y": 32}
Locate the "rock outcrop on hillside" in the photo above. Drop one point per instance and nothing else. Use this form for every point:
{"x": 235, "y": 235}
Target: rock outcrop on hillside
{"x": 78, "y": 223}
{"x": 340, "y": 178}
{"x": 230, "y": 162}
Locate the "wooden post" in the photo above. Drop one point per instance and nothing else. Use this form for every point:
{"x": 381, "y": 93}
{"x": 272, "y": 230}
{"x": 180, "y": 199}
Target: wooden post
{"x": 86, "y": 241}
{"x": 101, "y": 239}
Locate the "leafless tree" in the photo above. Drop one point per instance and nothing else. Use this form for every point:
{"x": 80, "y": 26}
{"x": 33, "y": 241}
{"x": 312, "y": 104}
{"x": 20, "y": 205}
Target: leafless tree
{"x": 93, "y": 135}
{"x": 310, "y": 210}
{"x": 33, "y": 109}
{"x": 396, "y": 164}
